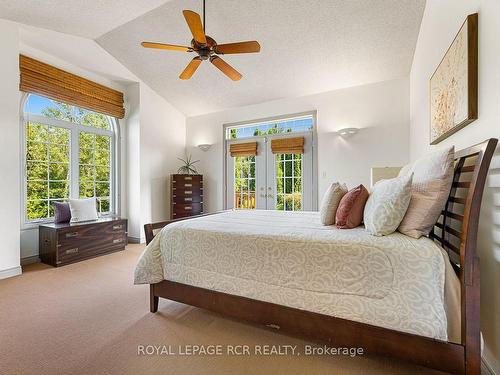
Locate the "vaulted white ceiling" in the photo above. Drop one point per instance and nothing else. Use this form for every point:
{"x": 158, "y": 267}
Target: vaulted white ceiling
{"x": 87, "y": 18}
{"x": 308, "y": 46}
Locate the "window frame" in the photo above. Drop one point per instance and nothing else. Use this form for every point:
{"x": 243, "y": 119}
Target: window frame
{"x": 74, "y": 160}
{"x": 314, "y": 148}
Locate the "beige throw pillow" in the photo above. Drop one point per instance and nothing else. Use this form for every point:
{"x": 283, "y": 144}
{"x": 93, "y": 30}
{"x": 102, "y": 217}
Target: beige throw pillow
{"x": 330, "y": 202}
{"x": 387, "y": 205}
{"x": 432, "y": 179}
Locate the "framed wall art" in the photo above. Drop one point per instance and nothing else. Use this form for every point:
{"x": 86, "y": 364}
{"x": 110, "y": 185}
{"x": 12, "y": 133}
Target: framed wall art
{"x": 453, "y": 86}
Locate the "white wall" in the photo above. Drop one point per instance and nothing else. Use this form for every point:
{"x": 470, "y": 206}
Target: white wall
{"x": 57, "y": 49}
{"x": 442, "y": 20}
{"x": 153, "y": 133}
{"x": 9, "y": 146}
{"x": 162, "y": 140}
{"x": 381, "y": 110}
{"x": 132, "y": 164}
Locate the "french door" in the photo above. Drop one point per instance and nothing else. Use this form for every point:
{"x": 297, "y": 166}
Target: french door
{"x": 271, "y": 181}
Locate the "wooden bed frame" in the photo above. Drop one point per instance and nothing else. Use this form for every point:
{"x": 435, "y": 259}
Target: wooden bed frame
{"x": 456, "y": 231}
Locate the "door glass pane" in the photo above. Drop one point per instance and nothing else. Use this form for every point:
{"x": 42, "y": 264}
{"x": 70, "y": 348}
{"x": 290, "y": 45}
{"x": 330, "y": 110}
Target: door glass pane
{"x": 244, "y": 182}
{"x": 289, "y": 182}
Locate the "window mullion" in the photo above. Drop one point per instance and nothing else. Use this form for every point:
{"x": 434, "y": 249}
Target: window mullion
{"x": 74, "y": 164}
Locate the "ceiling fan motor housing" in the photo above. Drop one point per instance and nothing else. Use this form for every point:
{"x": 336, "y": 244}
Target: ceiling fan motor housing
{"x": 204, "y": 50}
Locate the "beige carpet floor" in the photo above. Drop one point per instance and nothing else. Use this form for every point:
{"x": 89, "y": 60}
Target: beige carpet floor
{"x": 89, "y": 318}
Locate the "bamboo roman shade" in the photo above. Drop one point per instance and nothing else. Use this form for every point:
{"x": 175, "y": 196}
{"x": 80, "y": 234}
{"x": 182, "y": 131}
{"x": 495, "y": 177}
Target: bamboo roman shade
{"x": 288, "y": 145}
{"x": 40, "y": 78}
{"x": 243, "y": 149}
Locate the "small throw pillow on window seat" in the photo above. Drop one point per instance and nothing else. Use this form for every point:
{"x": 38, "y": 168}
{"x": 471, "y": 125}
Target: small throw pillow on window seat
{"x": 387, "y": 205}
{"x": 62, "y": 212}
{"x": 350, "y": 211}
{"x": 83, "y": 209}
{"x": 330, "y": 203}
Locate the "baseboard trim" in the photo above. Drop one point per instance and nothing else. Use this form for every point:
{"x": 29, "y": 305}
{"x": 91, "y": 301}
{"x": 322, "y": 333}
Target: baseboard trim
{"x": 134, "y": 240}
{"x": 10, "y": 272}
{"x": 486, "y": 367}
{"x": 30, "y": 260}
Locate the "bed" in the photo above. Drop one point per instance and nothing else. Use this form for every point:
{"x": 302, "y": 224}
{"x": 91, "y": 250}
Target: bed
{"x": 392, "y": 295}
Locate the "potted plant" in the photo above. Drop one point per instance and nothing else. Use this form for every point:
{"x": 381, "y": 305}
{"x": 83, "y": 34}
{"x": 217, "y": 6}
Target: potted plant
{"x": 187, "y": 166}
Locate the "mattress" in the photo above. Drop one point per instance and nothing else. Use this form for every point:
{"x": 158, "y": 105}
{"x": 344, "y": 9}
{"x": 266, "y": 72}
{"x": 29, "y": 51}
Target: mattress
{"x": 289, "y": 258}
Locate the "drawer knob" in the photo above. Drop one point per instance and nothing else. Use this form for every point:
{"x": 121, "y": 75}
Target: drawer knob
{"x": 188, "y": 192}
{"x": 72, "y": 234}
{"x": 188, "y": 199}
{"x": 118, "y": 240}
{"x": 188, "y": 178}
{"x": 72, "y": 251}
{"x": 188, "y": 208}
{"x": 188, "y": 185}
{"x": 116, "y": 227}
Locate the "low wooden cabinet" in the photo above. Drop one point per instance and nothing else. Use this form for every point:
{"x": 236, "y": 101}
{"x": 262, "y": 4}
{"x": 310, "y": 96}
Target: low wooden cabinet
{"x": 65, "y": 243}
{"x": 186, "y": 192}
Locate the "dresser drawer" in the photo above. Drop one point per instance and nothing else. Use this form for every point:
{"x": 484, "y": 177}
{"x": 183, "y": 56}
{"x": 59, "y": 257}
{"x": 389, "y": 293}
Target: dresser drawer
{"x": 188, "y": 192}
{"x": 179, "y": 215}
{"x": 188, "y": 199}
{"x": 71, "y": 252}
{"x": 182, "y": 178}
{"x": 187, "y": 207}
{"x": 90, "y": 232}
{"x": 187, "y": 185}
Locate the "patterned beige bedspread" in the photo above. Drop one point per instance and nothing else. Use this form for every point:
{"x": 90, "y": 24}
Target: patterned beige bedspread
{"x": 289, "y": 258}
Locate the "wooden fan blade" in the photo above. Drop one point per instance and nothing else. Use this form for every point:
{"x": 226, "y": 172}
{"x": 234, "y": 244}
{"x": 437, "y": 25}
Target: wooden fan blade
{"x": 170, "y": 47}
{"x": 194, "y": 22}
{"x": 241, "y": 47}
{"x": 225, "y": 68}
{"x": 191, "y": 68}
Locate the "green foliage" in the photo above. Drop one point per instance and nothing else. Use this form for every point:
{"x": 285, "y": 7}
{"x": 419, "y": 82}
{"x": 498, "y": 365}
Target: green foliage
{"x": 276, "y": 129}
{"x": 292, "y": 202}
{"x": 288, "y": 182}
{"x": 244, "y": 182}
{"x": 188, "y": 166}
{"x": 48, "y": 160}
{"x": 76, "y": 115}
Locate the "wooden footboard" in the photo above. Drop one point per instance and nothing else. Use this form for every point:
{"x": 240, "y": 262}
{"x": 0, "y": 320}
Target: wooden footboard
{"x": 455, "y": 231}
{"x": 321, "y": 328}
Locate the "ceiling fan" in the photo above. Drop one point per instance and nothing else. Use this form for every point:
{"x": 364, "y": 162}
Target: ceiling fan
{"x": 206, "y": 48}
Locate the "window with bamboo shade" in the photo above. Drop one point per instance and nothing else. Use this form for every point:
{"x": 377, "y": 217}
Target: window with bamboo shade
{"x": 288, "y": 145}
{"x": 243, "y": 149}
{"x": 40, "y": 78}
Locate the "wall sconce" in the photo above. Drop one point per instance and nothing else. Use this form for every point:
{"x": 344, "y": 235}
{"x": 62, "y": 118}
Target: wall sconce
{"x": 204, "y": 147}
{"x": 347, "y": 132}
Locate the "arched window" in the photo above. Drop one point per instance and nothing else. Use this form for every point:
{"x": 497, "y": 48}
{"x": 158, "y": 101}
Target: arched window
{"x": 69, "y": 152}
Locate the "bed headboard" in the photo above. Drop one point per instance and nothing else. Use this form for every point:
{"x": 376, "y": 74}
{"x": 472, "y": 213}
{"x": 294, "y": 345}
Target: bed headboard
{"x": 456, "y": 229}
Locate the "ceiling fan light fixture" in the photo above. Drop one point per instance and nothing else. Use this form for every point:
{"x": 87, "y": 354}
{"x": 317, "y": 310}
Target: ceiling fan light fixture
{"x": 206, "y": 48}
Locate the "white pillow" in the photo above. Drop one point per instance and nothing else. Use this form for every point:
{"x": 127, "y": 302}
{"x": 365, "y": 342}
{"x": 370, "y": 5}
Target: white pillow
{"x": 387, "y": 205}
{"x": 330, "y": 202}
{"x": 83, "y": 209}
{"x": 432, "y": 179}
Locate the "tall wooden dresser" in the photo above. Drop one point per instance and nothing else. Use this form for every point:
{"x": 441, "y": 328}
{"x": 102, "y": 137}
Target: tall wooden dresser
{"x": 186, "y": 195}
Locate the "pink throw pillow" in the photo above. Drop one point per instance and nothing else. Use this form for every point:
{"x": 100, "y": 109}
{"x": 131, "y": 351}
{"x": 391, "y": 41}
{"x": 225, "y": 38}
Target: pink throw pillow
{"x": 351, "y": 207}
